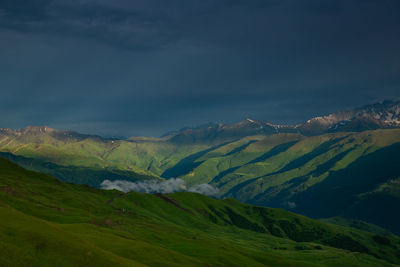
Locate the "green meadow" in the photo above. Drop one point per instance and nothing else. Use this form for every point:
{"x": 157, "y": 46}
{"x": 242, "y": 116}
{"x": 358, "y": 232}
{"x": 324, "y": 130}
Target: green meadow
{"x": 45, "y": 222}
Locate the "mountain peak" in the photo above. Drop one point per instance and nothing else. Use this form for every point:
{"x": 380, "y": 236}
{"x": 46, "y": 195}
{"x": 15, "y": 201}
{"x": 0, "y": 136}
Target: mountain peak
{"x": 383, "y": 114}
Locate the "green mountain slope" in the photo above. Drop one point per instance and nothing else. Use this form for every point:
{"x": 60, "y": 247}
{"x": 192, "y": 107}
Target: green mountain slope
{"x": 47, "y": 222}
{"x": 45, "y": 145}
{"x": 92, "y": 176}
{"x": 345, "y": 174}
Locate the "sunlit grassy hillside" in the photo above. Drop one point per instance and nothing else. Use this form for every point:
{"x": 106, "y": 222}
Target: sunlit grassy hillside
{"x": 337, "y": 174}
{"x": 47, "y": 222}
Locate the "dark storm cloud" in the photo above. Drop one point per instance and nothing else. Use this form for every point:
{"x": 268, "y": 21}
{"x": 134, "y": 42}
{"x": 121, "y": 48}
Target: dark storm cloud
{"x": 127, "y": 24}
{"x": 145, "y": 67}
{"x": 115, "y": 25}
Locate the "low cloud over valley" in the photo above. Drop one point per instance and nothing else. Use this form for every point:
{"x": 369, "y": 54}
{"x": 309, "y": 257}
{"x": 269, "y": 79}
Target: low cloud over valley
{"x": 155, "y": 186}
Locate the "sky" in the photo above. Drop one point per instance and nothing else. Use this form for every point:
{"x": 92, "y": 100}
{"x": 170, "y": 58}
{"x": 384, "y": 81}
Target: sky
{"x": 146, "y": 67}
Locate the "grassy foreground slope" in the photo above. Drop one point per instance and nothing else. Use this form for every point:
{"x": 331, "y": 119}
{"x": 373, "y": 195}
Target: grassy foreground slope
{"x": 48, "y": 222}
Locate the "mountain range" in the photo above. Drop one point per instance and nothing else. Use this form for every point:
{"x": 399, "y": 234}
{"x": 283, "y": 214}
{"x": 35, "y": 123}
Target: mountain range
{"x": 343, "y": 164}
{"x": 382, "y": 115}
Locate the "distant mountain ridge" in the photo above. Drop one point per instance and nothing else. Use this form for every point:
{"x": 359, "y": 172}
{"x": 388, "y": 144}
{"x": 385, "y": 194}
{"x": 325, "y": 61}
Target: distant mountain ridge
{"x": 385, "y": 114}
{"x": 382, "y": 115}
{"x": 39, "y": 133}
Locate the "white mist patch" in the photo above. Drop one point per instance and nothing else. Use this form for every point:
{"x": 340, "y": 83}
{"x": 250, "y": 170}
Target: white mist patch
{"x": 155, "y": 186}
{"x": 204, "y": 189}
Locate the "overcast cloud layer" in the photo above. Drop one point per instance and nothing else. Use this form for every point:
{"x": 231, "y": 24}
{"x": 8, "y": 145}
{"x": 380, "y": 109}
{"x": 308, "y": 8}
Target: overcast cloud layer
{"x": 148, "y": 67}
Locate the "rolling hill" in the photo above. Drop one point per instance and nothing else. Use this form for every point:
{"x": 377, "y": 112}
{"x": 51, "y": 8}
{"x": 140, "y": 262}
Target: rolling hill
{"x": 48, "y": 222}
